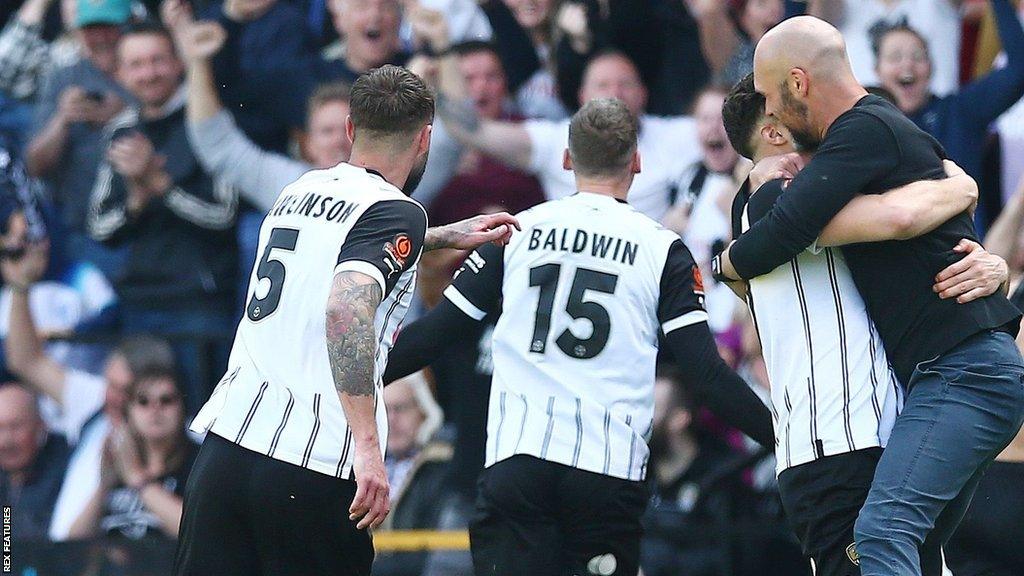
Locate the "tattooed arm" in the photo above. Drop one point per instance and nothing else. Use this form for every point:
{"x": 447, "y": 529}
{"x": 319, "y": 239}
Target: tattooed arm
{"x": 351, "y": 345}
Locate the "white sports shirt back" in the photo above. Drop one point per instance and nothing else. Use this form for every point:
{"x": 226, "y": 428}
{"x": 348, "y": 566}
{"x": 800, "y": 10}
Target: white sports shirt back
{"x": 278, "y": 396}
{"x": 575, "y": 346}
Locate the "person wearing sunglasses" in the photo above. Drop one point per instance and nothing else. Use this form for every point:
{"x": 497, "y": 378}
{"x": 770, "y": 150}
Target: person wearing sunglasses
{"x": 145, "y": 463}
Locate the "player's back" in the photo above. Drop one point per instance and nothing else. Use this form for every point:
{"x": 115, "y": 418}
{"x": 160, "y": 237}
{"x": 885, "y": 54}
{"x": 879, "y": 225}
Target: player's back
{"x": 279, "y": 382}
{"x": 576, "y": 344}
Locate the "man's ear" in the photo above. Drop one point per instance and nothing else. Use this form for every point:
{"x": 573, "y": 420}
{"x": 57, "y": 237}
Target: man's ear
{"x": 772, "y": 135}
{"x": 566, "y": 160}
{"x": 635, "y": 165}
{"x": 350, "y": 129}
{"x": 798, "y": 82}
{"x": 424, "y": 139}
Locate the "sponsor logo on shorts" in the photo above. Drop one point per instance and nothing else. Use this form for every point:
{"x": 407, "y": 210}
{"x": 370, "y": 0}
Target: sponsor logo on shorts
{"x": 602, "y": 565}
{"x": 851, "y": 553}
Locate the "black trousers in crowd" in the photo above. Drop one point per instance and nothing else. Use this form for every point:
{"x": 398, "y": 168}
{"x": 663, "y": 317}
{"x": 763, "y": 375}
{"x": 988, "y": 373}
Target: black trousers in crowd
{"x": 822, "y": 500}
{"x": 540, "y": 518}
{"x": 246, "y": 514}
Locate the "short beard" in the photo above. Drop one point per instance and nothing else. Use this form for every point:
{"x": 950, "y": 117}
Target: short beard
{"x": 804, "y": 138}
{"x": 415, "y": 175}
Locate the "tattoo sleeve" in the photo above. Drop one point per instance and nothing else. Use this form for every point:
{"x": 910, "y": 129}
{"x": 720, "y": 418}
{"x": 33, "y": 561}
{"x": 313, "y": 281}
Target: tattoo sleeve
{"x": 351, "y": 341}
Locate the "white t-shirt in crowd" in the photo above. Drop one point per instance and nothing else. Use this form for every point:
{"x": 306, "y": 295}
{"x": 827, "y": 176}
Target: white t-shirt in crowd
{"x": 668, "y": 146}
{"x": 86, "y": 428}
{"x": 937, "y": 20}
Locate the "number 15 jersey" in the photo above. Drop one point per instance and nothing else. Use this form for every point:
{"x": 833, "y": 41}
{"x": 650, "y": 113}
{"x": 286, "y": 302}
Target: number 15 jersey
{"x": 278, "y": 396}
{"x": 583, "y": 292}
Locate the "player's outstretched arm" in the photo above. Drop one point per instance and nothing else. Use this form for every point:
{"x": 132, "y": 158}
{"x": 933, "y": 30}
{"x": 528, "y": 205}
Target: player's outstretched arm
{"x": 351, "y": 346}
{"x": 422, "y": 342}
{"x": 716, "y": 385}
{"x": 903, "y": 213}
{"x": 471, "y": 233}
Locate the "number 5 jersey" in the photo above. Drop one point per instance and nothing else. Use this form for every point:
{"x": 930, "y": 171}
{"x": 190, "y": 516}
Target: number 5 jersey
{"x": 278, "y": 395}
{"x": 583, "y": 292}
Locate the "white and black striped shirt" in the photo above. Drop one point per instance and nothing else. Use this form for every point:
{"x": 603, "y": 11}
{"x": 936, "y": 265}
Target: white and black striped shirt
{"x": 831, "y": 385}
{"x": 583, "y": 292}
{"x": 278, "y": 396}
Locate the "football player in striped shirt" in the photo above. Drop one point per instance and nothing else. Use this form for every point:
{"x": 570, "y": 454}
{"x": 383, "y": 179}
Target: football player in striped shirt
{"x": 835, "y": 398}
{"x": 291, "y": 473}
{"x": 583, "y": 296}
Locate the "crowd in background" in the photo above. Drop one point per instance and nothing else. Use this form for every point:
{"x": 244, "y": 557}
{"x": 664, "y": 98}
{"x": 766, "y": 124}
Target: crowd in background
{"x": 141, "y": 142}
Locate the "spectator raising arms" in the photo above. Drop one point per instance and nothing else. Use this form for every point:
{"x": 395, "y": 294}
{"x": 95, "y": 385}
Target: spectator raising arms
{"x": 938, "y": 21}
{"x": 145, "y": 464}
{"x": 959, "y": 121}
{"x": 667, "y": 145}
{"x": 730, "y": 30}
{"x": 227, "y": 153}
{"x": 25, "y": 56}
{"x": 90, "y": 405}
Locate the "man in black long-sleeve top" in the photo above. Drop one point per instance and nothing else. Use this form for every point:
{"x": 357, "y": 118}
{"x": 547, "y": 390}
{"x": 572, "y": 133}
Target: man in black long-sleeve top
{"x": 964, "y": 376}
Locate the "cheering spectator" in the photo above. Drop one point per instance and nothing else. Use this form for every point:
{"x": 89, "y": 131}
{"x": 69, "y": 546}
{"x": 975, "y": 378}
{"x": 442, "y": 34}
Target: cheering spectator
{"x": 417, "y": 468}
{"x": 667, "y": 145}
{"x": 225, "y": 151}
{"x": 959, "y": 121}
{"x": 701, "y": 204}
{"x": 562, "y": 36}
{"x": 153, "y": 197}
{"x": 25, "y": 56}
{"x": 466, "y": 21}
{"x": 74, "y": 104}
{"x": 369, "y": 32}
{"x": 145, "y": 464}
{"x": 32, "y": 463}
{"x": 937, "y": 21}
{"x": 267, "y": 68}
{"x": 728, "y": 34}
{"x": 476, "y": 182}
{"x": 90, "y": 405}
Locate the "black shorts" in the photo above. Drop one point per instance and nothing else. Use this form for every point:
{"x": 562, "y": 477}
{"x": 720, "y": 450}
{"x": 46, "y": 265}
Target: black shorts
{"x": 822, "y": 500}
{"x": 541, "y": 518}
{"x": 247, "y": 514}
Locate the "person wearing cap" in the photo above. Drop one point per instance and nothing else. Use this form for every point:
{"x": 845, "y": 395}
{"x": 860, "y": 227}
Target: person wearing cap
{"x": 74, "y": 104}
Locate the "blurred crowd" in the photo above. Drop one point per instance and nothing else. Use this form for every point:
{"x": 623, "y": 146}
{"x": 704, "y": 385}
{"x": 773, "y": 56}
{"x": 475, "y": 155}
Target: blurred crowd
{"x": 141, "y": 142}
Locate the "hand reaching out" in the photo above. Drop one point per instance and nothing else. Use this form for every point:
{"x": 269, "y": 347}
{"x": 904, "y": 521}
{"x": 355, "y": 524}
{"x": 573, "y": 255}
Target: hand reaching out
{"x": 474, "y": 232}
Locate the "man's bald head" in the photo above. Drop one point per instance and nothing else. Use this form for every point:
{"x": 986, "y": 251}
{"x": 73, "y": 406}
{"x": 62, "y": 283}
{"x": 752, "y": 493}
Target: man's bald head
{"x": 799, "y": 66}
{"x": 22, "y": 431}
{"x": 17, "y": 399}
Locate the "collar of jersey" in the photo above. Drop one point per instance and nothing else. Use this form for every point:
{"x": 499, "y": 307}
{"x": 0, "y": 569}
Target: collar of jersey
{"x": 595, "y": 197}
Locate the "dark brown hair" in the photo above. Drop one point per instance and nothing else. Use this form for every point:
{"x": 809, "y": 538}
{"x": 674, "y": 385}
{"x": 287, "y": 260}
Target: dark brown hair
{"x": 390, "y": 101}
{"x": 602, "y": 137}
{"x": 741, "y": 113}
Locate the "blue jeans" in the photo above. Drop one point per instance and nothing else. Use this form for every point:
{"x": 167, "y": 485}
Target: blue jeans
{"x": 961, "y": 410}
